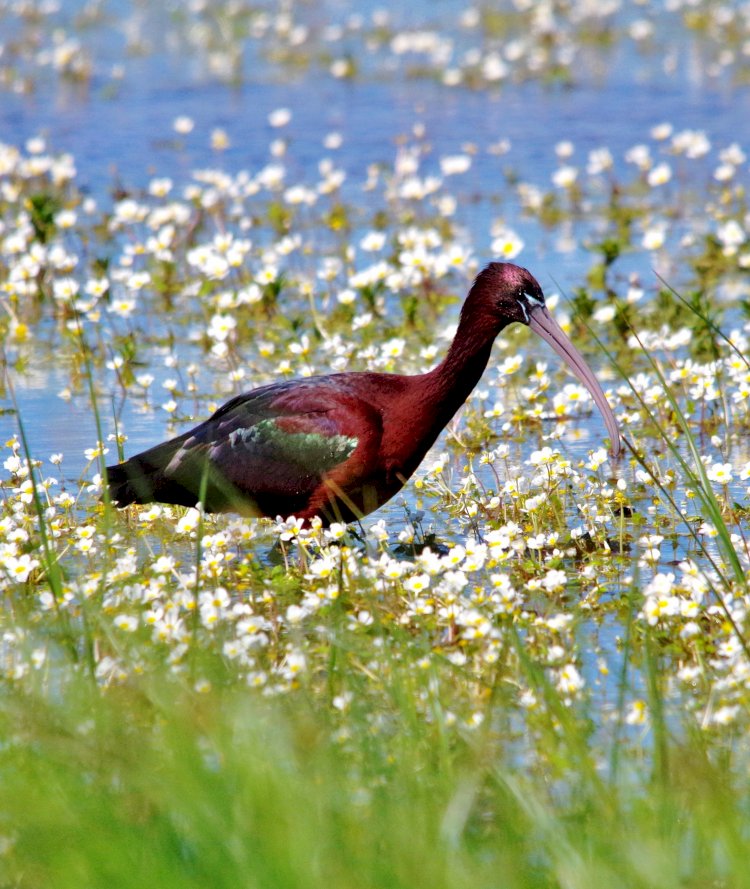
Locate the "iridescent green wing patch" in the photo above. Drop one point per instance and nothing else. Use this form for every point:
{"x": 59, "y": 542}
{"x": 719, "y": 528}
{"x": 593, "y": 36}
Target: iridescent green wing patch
{"x": 312, "y": 450}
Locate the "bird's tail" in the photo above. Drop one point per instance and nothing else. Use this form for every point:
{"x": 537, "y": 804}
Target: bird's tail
{"x": 131, "y": 482}
{"x": 142, "y": 478}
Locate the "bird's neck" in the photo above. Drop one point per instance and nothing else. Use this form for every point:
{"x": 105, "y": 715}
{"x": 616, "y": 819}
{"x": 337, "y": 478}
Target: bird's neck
{"x": 450, "y": 383}
{"x": 429, "y": 401}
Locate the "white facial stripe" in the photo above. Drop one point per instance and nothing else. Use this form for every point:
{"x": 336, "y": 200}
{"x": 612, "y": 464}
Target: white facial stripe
{"x": 534, "y": 300}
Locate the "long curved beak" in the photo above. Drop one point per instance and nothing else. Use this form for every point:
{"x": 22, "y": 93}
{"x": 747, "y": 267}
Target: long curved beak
{"x": 542, "y": 323}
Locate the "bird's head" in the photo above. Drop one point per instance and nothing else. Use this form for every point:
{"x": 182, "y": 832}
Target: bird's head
{"x": 511, "y": 293}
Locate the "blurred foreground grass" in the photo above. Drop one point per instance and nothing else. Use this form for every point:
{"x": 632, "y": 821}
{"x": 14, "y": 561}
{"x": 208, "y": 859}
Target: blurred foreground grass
{"x": 152, "y": 785}
{"x": 558, "y": 694}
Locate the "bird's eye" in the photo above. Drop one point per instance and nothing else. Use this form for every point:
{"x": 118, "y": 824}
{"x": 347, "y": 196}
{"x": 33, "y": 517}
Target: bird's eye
{"x": 531, "y": 298}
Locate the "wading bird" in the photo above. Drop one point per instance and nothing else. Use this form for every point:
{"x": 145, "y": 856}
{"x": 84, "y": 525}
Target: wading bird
{"x": 339, "y": 446}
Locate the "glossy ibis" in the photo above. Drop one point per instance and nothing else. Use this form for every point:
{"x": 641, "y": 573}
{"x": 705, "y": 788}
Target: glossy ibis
{"x": 339, "y": 446}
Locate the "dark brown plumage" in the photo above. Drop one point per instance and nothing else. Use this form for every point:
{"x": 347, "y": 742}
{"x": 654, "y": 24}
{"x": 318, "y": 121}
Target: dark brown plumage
{"x": 339, "y": 446}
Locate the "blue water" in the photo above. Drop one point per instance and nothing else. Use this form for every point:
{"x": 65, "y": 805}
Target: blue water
{"x": 120, "y": 131}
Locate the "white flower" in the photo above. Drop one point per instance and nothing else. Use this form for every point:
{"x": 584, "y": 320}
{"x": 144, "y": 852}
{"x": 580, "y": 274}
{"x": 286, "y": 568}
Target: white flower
{"x": 66, "y": 219}
{"x": 372, "y": 241}
{"x": 691, "y": 143}
{"x": 638, "y": 713}
{"x": 164, "y": 565}
{"x": 19, "y": 568}
{"x": 188, "y": 522}
{"x": 659, "y": 175}
{"x": 507, "y": 244}
{"x": 597, "y": 459}
{"x": 725, "y": 715}
{"x": 639, "y": 155}
{"x": 333, "y": 141}
{"x": 183, "y": 125}
{"x": 288, "y": 529}
{"x": 295, "y": 614}
{"x": 554, "y": 580}
{"x": 731, "y": 236}
{"x": 569, "y": 680}
{"x": 653, "y": 238}
{"x": 600, "y": 159}
{"x": 721, "y": 473}
{"x": 280, "y": 117}
{"x": 122, "y": 307}
{"x": 221, "y": 326}
{"x": 417, "y": 583}
{"x": 126, "y": 622}
{"x": 604, "y": 314}
{"x": 565, "y": 176}
{"x": 323, "y": 567}
{"x": 65, "y": 289}
{"x": 160, "y": 187}
{"x": 393, "y": 348}
{"x": 661, "y": 131}
{"x": 295, "y": 663}
{"x": 13, "y": 464}
{"x": 453, "y": 164}
{"x": 219, "y": 139}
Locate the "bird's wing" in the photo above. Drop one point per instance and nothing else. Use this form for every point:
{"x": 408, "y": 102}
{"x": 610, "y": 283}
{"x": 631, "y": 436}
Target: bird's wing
{"x": 275, "y": 444}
